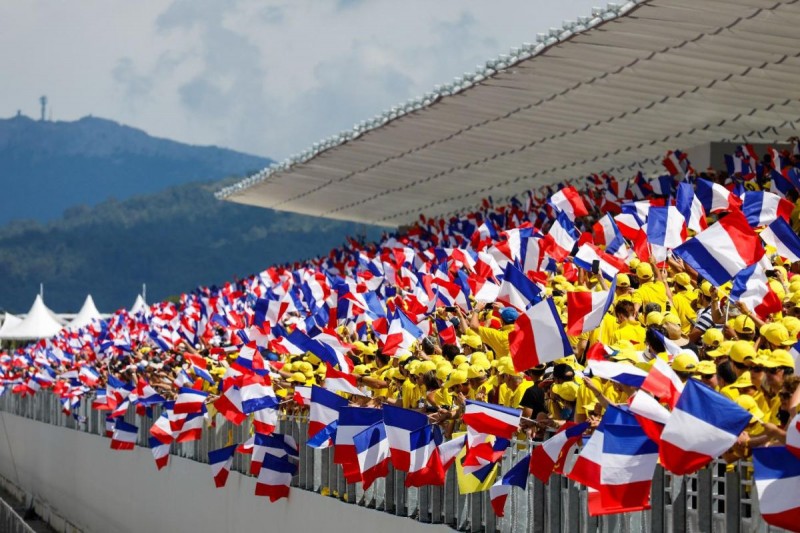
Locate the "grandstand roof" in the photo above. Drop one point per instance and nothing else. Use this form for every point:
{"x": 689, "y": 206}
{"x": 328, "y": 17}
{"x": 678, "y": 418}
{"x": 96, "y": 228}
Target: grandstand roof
{"x": 612, "y": 92}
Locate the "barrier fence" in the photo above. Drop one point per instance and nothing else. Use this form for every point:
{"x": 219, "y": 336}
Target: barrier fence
{"x": 719, "y": 498}
{"x": 10, "y": 521}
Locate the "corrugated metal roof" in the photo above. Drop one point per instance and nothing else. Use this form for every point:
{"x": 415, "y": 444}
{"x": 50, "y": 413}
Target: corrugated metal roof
{"x": 609, "y": 93}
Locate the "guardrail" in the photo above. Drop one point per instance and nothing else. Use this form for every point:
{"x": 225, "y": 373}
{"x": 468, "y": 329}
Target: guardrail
{"x": 10, "y": 521}
{"x": 718, "y": 498}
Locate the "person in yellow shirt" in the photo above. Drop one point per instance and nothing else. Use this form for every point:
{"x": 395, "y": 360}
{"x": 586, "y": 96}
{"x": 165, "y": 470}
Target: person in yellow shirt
{"x": 496, "y": 339}
{"x": 650, "y": 290}
{"x": 628, "y": 328}
{"x": 479, "y": 384}
{"x": 683, "y": 294}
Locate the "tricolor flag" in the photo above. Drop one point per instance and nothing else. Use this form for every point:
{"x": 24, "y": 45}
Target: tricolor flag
{"x": 517, "y": 476}
{"x": 715, "y": 198}
{"x": 538, "y": 337}
{"x": 517, "y": 290}
{"x": 585, "y": 310}
{"x": 551, "y": 454}
{"x": 607, "y": 234}
{"x": 323, "y": 418}
{"x": 191, "y": 427}
{"x": 352, "y": 421}
{"x": 336, "y": 381}
{"x": 777, "y": 477}
{"x": 162, "y": 430}
{"x": 372, "y": 449}
{"x": 561, "y": 238}
{"x": 650, "y": 414}
{"x": 425, "y": 463}
{"x": 249, "y": 359}
{"x": 189, "y": 401}
{"x": 221, "y": 461}
{"x": 401, "y": 335}
{"x": 448, "y": 451}
{"x": 256, "y": 394}
{"x": 666, "y": 227}
{"x": 275, "y": 478}
{"x": 691, "y": 208}
{"x": 793, "y": 435}
{"x": 124, "y": 436}
{"x": 663, "y": 383}
{"x": 568, "y": 201}
{"x": 764, "y": 208}
{"x": 160, "y": 452}
{"x": 399, "y": 424}
{"x": 702, "y": 426}
{"x": 751, "y": 286}
{"x": 274, "y": 445}
{"x": 780, "y": 235}
{"x": 491, "y": 419}
{"x": 622, "y": 373}
{"x": 229, "y": 405}
{"x": 629, "y": 462}
{"x": 723, "y": 250}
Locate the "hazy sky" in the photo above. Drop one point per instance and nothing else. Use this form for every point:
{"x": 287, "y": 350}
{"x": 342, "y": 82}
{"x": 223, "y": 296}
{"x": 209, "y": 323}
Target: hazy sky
{"x": 264, "y": 77}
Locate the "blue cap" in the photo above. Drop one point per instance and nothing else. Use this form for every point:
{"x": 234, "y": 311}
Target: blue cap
{"x": 509, "y": 315}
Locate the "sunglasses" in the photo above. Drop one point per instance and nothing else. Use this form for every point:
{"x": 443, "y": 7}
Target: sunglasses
{"x": 756, "y": 369}
{"x": 785, "y": 395}
{"x": 774, "y": 370}
{"x": 706, "y": 377}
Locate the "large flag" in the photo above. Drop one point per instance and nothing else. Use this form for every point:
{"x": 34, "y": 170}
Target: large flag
{"x": 323, "y": 418}
{"x": 585, "y": 310}
{"x": 517, "y": 290}
{"x": 221, "y": 461}
{"x": 723, "y": 250}
{"x": 352, "y": 421}
{"x": 780, "y": 235}
{"x": 491, "y": 419}
{"x": 336, "y": 381}
{"x": 551, "y": 454}
{"x": 568, "y": 201}
{"x": 650, "y": 414}
{"x": 425, "y": 463}
{"x": 702, "y": 426}
{"x": 372, "y": 449}
{"x": 517, "y": 476}
{"x": 538, "y": 337}
{"x": 275, "y": 478}
{"x": 666, "y": 227}
{"x": 777, "y": 476}
{"x": 189, "y": 401}
{"x": 629, "y": 462}
{"x": 763, "y": 208}
{"x": 400, "y": 424}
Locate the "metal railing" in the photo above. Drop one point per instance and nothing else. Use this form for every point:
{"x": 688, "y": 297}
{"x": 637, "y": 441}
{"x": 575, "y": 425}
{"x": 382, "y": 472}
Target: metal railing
{"x": 716, "y": 499}
{"x": 10, "y": 521}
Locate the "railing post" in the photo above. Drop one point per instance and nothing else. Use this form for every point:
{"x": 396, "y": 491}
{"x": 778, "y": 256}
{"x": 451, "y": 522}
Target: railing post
{"x": 475, "y": 512}
{"x": 733, "y": 492}
{"x": 554, "y": 504}
{"x": 400, "y": 493}
{"x": 424, "y": 504}
{"x": 573, "y": 507}
{"x": 536, "y": 505}
{"x": 679, "y": 505}
{"x": 450, "y": 498}
{"x": 437, "y": 503}
{"x": 657, "y": 501}
{"x": 704, "y": 488}
{"x": 388, "y": 497}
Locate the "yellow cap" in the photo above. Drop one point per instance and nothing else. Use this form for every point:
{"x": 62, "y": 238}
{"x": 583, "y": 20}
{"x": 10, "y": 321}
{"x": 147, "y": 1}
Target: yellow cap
{"x": 707, "y": 368}
{"x": 364, "y": 348}
{"x": 724, "y": 348}
{"x": 744, "y": 324}
{"x": 458, "y": 377}
{"x": 297, "y": 377}
{"x": 361, "y": 370}
{"x": 684, "y": 363}
{"x": 473, "y": 341}
{"x": 623, "y": 281}
{"x": 683, "y": 279}
{"x": 475, "y": 371}
{"x": 629, "y": 356}
{"x": 742, "y": 350}
{"x": 654, "y": 318}
{"x": 712, "y": 337}
{"x": 742, "y": 382}
{"x": 779, "y": 358}
{"x": 644, "y": 271}
{"x": 776, "y": 333}
{"x": 707, "y": 289}
{"x": 748, "y": 403}
{"x": 567, "y": 390}
{"x": 443, "y": 371}
{"x": 460, "y": 358}
{"x": 671, "y": 318}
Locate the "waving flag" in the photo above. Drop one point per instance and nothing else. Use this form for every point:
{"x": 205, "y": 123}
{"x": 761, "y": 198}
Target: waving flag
{"x": 607, "y": 234}
{"x": 221, "y": 461}
{"x": 372, "y": 449}
{"x": 622, "y": 373}
{"x": 323, "y": 418}
{"x": 777, "y": 479}
{"x": 161, "y": 430}
{"x": 562, "y": 238}
{"x": 448, "y": 451}
{"x": 610, "y": 265}
{"x": 780, "y": 235}
{"x": 336, "y": 381}
{"x": 160, "y": 452}
{"x": 425, "y": 463}
{"x": 517, "y": 290}
{"x": 702, "y": 426}
{"x": 663, "y": 383}
{"x": 585, "y": 310}
{"x": 275, "y": 478}
{"x": 399, "y": 425}
{"x": 124, "y": 436}
{"x": 723, "y": 250}
{"x": 401, "y": 335}
{"x": 650, "y": 414}
{"x": 189, "y": 401}
{"x": 751, "y": 286}
{"x": 764, "y": 208}
{"x": 538, "y": 337}
{"x": 568, "y": 201}
{"x": 147, "y": 394}
{"x": 793, "y": 434}
{"x": 275, "y": 445}
{"x": 550, "y": 456}
{"x": 715, "y": 198}
{"x": 257, "y": 394}
{"x": 691, "y": 208}
{"x": 517, "y": 476}
{"x": 586, "y": 469}
{"x": 629, "y": 462}
{"x": 229, "y": 404}
{"x": 249, "y": 359}
{"x": 352, "y": 421}
{"x": 491, "y": 419}
{"x": 666, "y": 227}
{"x": 191, "y": 427}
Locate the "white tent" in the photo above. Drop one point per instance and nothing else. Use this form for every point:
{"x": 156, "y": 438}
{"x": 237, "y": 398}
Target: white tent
{"x": 38, "y": 324}
{"x": 10, "y": 322}
{"x": 138, "y": 305}
{"x": 87, "y": 313}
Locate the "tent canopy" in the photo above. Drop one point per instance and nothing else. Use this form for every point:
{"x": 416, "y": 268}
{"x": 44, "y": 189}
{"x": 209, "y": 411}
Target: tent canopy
{"x": 37, "y": 324}
{"x": 138, "y": 304}
{"x": 9, "y": 323}
{"x": 87, "y": 313}
{"x": 608, "y": 93}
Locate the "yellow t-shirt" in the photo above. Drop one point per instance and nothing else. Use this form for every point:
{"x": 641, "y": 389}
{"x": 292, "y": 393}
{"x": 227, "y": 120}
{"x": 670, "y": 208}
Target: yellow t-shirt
{"x": 683, "y": 308}
{"x": 497, "y": 339}
{"x": 651, "y": 292}
{"x": 411, "y": 394}
{"x": 630, "y": 331}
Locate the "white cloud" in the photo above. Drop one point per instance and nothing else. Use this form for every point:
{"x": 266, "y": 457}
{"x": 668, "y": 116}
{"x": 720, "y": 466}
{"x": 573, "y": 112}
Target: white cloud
{"x": 267, "y": 78}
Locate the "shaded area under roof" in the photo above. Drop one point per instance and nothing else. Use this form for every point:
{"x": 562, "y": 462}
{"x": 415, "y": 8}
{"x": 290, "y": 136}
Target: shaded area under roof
{"x": 611, "y": 94}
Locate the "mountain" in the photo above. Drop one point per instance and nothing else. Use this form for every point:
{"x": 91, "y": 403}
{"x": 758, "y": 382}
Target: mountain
{"x": 172, "y": 240}
{"x": 47, "y": 167}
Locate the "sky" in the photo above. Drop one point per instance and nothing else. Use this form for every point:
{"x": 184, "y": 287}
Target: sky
{"x": 265, "y": 77}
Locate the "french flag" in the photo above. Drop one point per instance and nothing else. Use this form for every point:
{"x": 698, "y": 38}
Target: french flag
{"x": 691, "y": 208}
{"x": 586, "y": 469}
{"x": 666, "y": 227}
{"x": 162, "y": 430}
{"x": 610, "y": 265}
{"x": 568, "y": 201}
{"x": 702, "y": 426}
{"x": 777, "y": 477}
{"x": 585, "y": 310}
{"x": 256, "y": 394}
{"x": 124, "y": 436}
{"x": 229, "y": 404}
{"x": 160, "y": 452}
{"x": 249, "y": 359}
{"x": 751, "y": 287}
{"x": 780, "y": 235}
{"x": 629, "y": 462}
{"x": 723, "y": 250}
{"x": 323, "y": 418}
{"x": 793, "y": 435}
{"x": 336, "y": 381}
{"x": 663, "y": 383}
{"x": 399, "y": 425}
{"x": 265, "y": 420}
{"x": 538, "y": 337}
{"x": 715, "y": 198}
{"x": 221, "y": 461}
{"x": 622, "y": 373}
{"x": 561, "y": 238}
{"x": 89, "y": 376}
{"x": 650, "y": 414}
{"x": 764, "y": 208}
{"x": 275, "y": 478}
{"x": 275, "y": 445}
{"x": 147, "y": 395}
{"x": 491, "y": 419}
{"x": 517, "y": 290}
{"x": 189, "y": 401}
{"x": 203, "y": 374}
{"x": 550, "y": 456}
{"x": 372, "y": 449}
{"x": 677, "y": 163}
{"x": 517, "y": 476}
{"x": 352, "y": 421}
{"x": 401, "y": 335}
{"x": 607, "y": 234}
{"x": 425, "y": 463}
{"x": 191, "y": 427}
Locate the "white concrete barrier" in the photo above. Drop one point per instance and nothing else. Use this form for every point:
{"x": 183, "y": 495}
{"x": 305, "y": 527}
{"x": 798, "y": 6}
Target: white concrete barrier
{"x": 105, "y": 491}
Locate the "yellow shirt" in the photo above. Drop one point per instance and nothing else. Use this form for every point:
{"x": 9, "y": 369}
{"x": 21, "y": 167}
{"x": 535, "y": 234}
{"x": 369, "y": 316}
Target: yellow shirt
{"x": 504, "y": 395}
{"x": 651, "y": 292}
{"x": 683, "y": 308}
{"x": 442, "y": 397}
{"x": 497, "y": 339}
{"x": 630, "y": 331}
{"x": 516, "y": 396}
{"x": 411, "y": 394}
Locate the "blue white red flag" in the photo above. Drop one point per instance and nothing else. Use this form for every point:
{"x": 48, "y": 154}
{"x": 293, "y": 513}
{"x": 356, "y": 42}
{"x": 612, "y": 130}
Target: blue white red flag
{"x": 777, "y": 478}
{"x": 538, "y": 337}
{"x": 517, "y": 476}
{"x": 221, "y": 461}
{"x": 372, "y": 449}
{"x": 323, "y": 418}
{"x": 491, "y": 419}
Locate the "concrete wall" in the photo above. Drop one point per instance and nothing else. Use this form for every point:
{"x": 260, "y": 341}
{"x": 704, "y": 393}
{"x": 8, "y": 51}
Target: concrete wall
{"x": 106, "y": 491}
